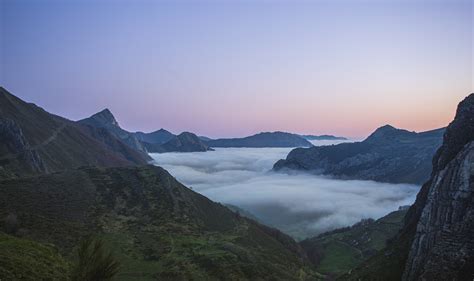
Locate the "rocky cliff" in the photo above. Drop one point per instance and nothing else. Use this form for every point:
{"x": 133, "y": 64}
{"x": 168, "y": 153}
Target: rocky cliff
{"x": 443, "y": 244}
{"x": 437, "y": 240}
{"x": 387, "y": 155}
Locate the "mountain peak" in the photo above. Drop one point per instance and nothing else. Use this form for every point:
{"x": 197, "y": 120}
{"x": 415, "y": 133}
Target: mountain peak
{"x": 384, "y": 132}
{"x": 105, "y": 117}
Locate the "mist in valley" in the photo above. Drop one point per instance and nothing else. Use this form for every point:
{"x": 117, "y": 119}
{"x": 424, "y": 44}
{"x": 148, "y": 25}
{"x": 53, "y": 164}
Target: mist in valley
{"x": 299, "y": 204}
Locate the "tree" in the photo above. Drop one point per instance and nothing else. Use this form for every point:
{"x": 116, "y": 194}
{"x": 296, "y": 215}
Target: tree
{"x": 94, "y": 262}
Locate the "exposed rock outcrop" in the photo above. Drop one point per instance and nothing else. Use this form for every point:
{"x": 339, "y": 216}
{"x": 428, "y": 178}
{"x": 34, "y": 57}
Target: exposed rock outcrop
{"x": 16, "y": 150}
{"x": 443, "y": 244}
{"x": 105, "y": 119}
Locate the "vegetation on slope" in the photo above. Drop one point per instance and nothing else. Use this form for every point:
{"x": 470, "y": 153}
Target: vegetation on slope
{"x": 341, "y": 250}
{"x": 158, "y": 228}
{"x": 23, "y": 259}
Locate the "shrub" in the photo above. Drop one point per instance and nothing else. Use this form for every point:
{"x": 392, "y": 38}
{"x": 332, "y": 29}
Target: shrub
{"x": 94, "y": 262}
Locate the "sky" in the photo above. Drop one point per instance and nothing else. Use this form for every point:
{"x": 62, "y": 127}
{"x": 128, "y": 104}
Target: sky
{"x": 234, "y": 68}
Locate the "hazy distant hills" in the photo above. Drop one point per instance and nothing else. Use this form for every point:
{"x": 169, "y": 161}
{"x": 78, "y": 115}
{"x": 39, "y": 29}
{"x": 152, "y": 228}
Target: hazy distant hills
{"x": 266, "y": 139}
{"x": 387, "y": 155}
{"x": 437, "y": 239}
{"x": 158, "y": 228}
{"x": 157, "y": 137}
{"x": 159, "y": 141}
{"x": 33, "y": 140}
{"x": 323, "y": 137}
{"x": 184, "y": 142}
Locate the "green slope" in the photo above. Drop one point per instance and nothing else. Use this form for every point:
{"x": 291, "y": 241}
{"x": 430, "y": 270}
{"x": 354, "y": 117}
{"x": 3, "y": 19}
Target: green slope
{"x": 22, "y": 259}
{"x": 158, "y": 229}
{"x": 341, "y": 250}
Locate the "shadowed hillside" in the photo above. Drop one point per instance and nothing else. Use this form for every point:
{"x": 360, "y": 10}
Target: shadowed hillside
{"x": 33, "y": 140}
{"x": 387, "y": 155}
{"x": 159, "y": 228}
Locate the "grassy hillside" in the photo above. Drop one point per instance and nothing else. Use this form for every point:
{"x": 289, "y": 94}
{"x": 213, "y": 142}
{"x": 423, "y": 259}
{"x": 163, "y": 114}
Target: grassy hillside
{"x": 341, "y": 250}
{"x": 158, "y": 228}
{"x": 22, "y": 259}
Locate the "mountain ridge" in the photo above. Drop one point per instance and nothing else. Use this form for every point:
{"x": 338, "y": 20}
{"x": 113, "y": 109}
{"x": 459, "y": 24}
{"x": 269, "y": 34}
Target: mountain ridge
{"x": 263, "y": 139}
{"x": 387, "y": 155}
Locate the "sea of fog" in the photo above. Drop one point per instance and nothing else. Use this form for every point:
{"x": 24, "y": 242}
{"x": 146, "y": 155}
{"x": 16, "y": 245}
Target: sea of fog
{"x": 299, "y": 204}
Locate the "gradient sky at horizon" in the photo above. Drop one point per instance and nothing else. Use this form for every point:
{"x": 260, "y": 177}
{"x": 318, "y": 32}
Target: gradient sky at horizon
{"x": 234, "y": 68}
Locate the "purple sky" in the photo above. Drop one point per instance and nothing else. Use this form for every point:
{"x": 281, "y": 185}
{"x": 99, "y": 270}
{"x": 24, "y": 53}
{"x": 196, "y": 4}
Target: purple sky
{"x": 233, "y": 68}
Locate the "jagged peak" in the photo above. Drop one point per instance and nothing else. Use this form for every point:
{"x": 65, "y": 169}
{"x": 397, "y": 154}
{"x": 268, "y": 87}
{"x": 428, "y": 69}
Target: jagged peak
{"x": 105, "y": 116}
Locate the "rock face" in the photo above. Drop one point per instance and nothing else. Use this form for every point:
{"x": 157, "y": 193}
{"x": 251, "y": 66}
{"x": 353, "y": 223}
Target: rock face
{"x": 34, "y": 140}
{"x": 437, "y": 239}
{"x": 16, "y": 150}
{"x": 105, "y": 119}
{"x": 184, "y": 142}
{"x": 443, "y": 244}
{"x": 267, "y": 139}
{"x": 160, "y": 229}
{"x": 387, "y": 155}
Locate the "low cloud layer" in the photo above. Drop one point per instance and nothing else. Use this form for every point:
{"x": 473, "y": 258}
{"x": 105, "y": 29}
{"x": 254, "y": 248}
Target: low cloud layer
{"x": 300, "y": 204}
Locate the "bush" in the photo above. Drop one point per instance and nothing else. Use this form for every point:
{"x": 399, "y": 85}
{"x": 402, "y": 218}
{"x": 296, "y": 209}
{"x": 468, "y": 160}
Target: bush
{"x": 94, "y": 262}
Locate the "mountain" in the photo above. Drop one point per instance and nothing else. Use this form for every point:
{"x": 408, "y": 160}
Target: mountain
{"x": 184, "y": 142}
{"x": 267, "y": 139}
{"x": 106, "y": 120}
{"x": 204, "y": 138}
{"x": 323, "y": 137}
{"x": 158, "y": 228}
{"x": 387, "y": 155}
{"x": 160, "y": 141}
{"x": 338, "y": 251}
{"x": 157, "y": 137}
{"x": 33, "y": 140}
{"x": 437, "y": 239}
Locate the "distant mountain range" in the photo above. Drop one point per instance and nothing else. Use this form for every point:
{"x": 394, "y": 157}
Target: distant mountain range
{"x": 159, "y": 141}
{"x": 323, "y": 137}
{"x": 387, "y": 155}
{"x": 267, "y": 139}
